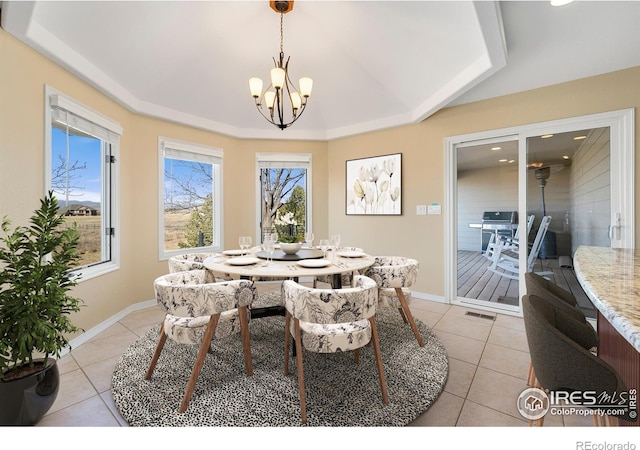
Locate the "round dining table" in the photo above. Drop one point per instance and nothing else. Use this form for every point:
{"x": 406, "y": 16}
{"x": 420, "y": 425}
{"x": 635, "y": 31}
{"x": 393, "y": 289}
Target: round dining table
{"x": 254, "y": 263}
{"x": 308, "y": 262}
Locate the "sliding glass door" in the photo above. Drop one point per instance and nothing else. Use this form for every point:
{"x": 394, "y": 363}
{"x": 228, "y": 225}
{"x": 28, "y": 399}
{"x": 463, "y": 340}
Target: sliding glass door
{"x": 576, "y": 172}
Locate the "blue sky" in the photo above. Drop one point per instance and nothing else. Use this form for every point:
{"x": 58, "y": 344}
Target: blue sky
{"x": 86, "y": 183}
{"x": 184, "y": 171}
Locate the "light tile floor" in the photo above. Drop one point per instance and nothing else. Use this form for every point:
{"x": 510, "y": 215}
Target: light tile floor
{"x": 488, "y": 368}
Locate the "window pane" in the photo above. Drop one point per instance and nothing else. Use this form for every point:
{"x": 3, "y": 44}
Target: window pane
{"x": 284, "y": 190}
{"x": 77, "y": 179}
{"x": 188, "y": 204}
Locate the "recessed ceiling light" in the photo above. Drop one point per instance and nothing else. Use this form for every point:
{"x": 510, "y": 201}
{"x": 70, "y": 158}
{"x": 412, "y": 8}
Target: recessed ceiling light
{"x": 512, "y": 161}
{"x": 579, "y": 138}
{"x": 496, "y": 148}
{"x": 546, "y": 136}
{"x": 502, "y": 160}
{"x": 565, "y": 156}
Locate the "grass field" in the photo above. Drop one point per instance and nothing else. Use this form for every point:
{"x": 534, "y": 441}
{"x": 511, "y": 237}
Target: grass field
{"x": 174, "y": 224}
{"x": 90, "y": 230}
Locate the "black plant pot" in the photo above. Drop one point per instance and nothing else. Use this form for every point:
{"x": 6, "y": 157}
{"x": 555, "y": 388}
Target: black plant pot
{"x": 26, "y": 400}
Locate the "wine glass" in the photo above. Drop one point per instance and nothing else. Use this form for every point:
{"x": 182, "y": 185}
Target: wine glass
{"x": 269, "y": 246}
{"x": 308, "y": 237}
{"x": 245, "y": 242}
{"x": 335, "y": 242}
{"x": 324, "y": 246}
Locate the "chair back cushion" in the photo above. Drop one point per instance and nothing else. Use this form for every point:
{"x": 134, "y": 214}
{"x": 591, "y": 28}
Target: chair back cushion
{"x": 537, "y": 283}
{"x": 331, "y": 306}
{"x": 393, "y": 271}
{"x": 574, "y": 323}
{"x": 186, "y": 294}
{"x": 188, "y": 261}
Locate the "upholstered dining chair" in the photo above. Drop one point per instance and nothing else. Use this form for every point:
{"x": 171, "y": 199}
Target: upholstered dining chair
{"x": 562, "y": 364}
{"x": 581, "y": 330}
{"x": 195, "y": 261}
{"x": 197, "y": 312}
{"x": 329, "y": 321}
{"x": 394, "y": 276}
{"x": 345, "y": 278}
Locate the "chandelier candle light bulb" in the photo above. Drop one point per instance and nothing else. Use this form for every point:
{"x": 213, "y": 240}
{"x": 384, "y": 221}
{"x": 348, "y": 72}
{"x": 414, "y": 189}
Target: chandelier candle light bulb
{"x": 277, "y": 77}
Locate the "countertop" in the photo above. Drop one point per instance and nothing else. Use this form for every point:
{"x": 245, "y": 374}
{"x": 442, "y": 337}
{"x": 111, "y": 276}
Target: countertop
{"x": 611, "y": 279}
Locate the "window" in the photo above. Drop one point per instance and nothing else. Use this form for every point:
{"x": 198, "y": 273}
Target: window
{"x": 190, "y": 197}
{"x": 81, "y": 169}
{"x": 285, "y": 186}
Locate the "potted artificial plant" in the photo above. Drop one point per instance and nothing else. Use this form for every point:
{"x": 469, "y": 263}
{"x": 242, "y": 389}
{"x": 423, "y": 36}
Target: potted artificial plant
{"x": 35, "y": 279}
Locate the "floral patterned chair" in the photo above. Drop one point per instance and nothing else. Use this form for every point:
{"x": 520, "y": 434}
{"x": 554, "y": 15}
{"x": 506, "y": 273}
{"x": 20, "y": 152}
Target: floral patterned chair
{"x": 194, "y": 261}
{"x": 329, "y": 321}
{"x": 394, "y": 275}
{"x": 198, "y": 311}
{"x": 346, "y": 277}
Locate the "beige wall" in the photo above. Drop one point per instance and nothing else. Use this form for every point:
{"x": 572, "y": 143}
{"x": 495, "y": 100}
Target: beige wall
{"x": 23, "y": 74}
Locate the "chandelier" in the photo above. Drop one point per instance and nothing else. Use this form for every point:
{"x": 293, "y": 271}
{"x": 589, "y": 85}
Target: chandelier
{"x": 285, "y": 103}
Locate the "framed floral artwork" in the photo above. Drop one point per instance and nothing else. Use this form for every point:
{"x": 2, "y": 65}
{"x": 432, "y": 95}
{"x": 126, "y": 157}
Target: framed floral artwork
{"x": 374, "y": 186}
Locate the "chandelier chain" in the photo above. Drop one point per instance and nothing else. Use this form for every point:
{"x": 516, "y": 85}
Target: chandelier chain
{"x": 281, "y": 32}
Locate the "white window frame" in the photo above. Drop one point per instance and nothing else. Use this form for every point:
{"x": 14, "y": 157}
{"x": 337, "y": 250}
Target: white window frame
{"x": 108, "y": 130}
{"x": 196, "y": 152}
{"x": 288, "y": 161}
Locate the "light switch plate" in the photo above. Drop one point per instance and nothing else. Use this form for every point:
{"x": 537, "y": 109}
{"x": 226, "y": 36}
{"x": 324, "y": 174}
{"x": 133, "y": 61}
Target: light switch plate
{"x": 435, "y": 209}
{"x": 421, "y": 210}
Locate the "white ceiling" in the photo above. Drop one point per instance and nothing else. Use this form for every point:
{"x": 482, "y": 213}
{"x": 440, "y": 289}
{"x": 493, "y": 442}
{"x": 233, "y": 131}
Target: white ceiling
{"x": 553, "y": 149}
{"x": 375, "y": 64}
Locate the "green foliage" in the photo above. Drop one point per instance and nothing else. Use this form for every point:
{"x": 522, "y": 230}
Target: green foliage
{"x": 287, "y": 228}
{"x": 296, "y": 204}
{"x": 201, "y": 221}
{"x": 34, "y": 285}
{"x": 293, "y": 212}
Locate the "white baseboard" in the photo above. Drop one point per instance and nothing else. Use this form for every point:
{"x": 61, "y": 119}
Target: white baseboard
{"x": 94, "y": 331}
{"x": 429, "y": 297}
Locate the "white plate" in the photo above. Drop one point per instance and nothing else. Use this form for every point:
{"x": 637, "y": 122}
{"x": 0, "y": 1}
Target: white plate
{"x": 237, "y": 252}
{"x": 242, "y": 261}
{"x": 314, "y": 263}
{"x": 350, "y": 254}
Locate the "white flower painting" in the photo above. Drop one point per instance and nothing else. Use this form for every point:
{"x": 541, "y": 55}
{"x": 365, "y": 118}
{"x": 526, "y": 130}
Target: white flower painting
{"x": 374, "y": 185}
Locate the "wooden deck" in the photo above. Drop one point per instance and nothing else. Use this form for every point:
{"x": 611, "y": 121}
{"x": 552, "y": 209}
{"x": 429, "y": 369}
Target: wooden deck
{"x": 475, "y": 281}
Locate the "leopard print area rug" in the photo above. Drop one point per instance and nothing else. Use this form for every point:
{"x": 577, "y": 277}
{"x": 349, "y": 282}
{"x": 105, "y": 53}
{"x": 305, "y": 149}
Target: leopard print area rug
{"x": 339, "y": 392}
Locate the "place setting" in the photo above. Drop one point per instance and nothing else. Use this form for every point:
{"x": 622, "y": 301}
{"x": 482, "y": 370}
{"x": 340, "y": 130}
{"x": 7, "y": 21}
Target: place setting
{"x": 350, "y": 252}
{"x": 314, "y": 263}
{"x": 240, "y": 257}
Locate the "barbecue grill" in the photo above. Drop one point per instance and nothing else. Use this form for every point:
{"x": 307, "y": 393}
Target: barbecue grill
{"x": 503, "y": 223}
